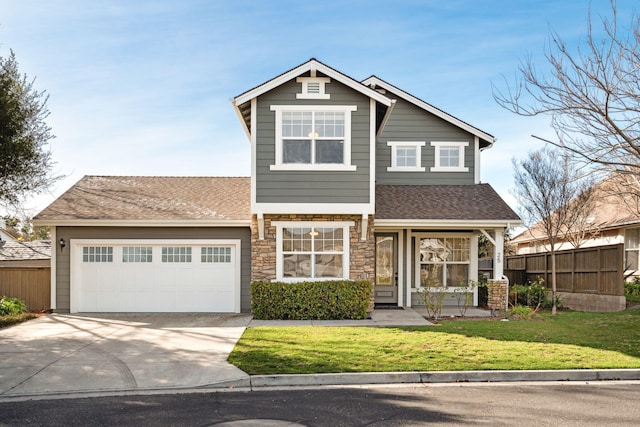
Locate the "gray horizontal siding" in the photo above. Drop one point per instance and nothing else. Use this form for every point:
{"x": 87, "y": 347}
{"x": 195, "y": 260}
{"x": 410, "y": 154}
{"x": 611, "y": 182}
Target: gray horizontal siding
{"x": 312, "y": 186}
{"x": 63, "y": 265}
{"x": 410, "y": 123}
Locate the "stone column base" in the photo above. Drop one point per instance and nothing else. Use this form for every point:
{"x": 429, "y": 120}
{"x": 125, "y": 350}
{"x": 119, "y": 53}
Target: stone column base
{"x": 498, "y": 296}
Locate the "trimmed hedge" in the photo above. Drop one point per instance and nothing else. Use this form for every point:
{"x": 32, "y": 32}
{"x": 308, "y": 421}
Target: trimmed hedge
{"x": 327, "y": 300}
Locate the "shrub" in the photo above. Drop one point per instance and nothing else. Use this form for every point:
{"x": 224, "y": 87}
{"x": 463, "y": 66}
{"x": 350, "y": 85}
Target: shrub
{"x": 632, "y": 289}
{"x": 521, "y": 312}
{"x": 10, "y": 305}
{"x": 483, "y": 291}
{"x": 326, "y": 300}
{"x": 533, "y": 294}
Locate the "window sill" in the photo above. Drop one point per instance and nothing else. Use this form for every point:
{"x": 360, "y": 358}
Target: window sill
{"x": 307, "y": 279}
{"x": 401, "y": 169}
{"x": 307, "y": 168}
{"x": 440, "y": 169}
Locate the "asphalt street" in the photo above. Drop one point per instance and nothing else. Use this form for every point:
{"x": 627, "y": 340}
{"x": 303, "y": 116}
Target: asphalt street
{"x": 524, "y": 404}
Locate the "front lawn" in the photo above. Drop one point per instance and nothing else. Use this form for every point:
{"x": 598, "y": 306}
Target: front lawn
{"x": 570, "y": 340}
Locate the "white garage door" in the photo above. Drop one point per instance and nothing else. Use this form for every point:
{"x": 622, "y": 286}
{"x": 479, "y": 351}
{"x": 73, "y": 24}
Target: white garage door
{"x": 155, "y": 276}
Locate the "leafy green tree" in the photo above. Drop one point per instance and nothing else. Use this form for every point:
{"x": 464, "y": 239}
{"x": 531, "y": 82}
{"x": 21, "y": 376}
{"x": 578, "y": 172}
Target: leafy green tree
{"x": 25, "y": 159}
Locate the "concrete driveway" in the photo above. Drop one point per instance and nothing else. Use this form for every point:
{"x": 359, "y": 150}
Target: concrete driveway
{"x": 127, "y": 352}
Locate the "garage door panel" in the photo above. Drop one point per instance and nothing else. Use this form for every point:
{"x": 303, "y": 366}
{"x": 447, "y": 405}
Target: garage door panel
{"x": 125, "y": 284}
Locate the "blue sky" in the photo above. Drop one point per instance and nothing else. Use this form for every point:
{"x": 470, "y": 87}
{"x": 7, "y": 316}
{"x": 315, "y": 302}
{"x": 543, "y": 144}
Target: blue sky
{"x": 143, "y": 87}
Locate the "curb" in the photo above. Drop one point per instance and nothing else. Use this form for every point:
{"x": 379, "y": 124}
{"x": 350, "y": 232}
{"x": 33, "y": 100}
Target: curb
{"x": 274, "y": 382}
{"x": 300, "y": 380}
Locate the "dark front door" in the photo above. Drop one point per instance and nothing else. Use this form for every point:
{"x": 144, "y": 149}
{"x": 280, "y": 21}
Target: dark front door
{"x": 386, "y": 286}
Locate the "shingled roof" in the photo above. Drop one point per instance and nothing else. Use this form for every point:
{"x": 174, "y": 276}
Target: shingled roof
{"x": 475, "y": 202}
{"x": 152, "y": 198}
{"x": 20, "y": 251}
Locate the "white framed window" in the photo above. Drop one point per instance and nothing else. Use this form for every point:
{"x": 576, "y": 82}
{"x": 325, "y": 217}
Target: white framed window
{"x": 97, "y": 254}
{"x": 632, "y": 249}
{"x": 215, "y": 254}
{"x": 406, "y": 156}
{"x": 312, "y": 250}
{"x": 444, "y": 260}
{"x": 313, "y": 137}
{"x": 137, "y": 254}
{"x": 313, "y": 88}
{"x": 176, "y": 254}
{"x": 449, "y": 156}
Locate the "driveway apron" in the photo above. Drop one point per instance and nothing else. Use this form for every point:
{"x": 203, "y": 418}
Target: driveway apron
{"x": 125, "y": 352}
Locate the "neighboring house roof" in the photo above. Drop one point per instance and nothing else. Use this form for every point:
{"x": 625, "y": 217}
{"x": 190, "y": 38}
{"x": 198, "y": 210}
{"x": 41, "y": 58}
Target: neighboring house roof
{"x": 469, "y": 203}
{"x": 148, "y": 199}
{"x": 21, "y": 251}
{"x": 376, "y": 82}
{"x": 612, "y": 209}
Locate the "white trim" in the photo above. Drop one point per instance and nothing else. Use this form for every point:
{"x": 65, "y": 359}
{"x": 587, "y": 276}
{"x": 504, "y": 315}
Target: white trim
{"x": 375, "y": 81}
{"x": 313, "y": 167}
{"x": 372, "y": 153}
{"x": 242, "y": 122}
{"x": 386, "y": 117}
{"x": 402, "y": 288}
{"x": 363, "y": 227}
{"x": 309, "y": 66}
{"x": 409, "y": 266}
{"x": 345, "y": 225}
{"x": 322, "y": 81}
{"x": 345, "y": 166}
{"x": 445, "y": 223}
{"x": 316, "y": 208}
{"x": 75, "y": 248}
{"x": 144, "y": 223}
{"x": 476, "y": 160}
{"x": 254, "y": 152}
{"x": 260, "y": 218}
{"x": 460, "y": 145}
{"x": 394, "y": 156}
{"x": 53, "y": 268}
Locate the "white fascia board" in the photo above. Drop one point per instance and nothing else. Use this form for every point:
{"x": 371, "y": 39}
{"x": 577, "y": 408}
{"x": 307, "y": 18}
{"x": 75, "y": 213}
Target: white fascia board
{"x": 308, "y": 66}
{"x": 316, "y": 208}
{"x": 242, "y": 122}
{"x": 436, "y": 112}
{"x": 143, "y": 223}
{"x": 444, "y": 224}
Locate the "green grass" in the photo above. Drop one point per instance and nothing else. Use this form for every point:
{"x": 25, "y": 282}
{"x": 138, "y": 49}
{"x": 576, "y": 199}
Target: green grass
{"x": 570, "y": 340}
{"x": 12, "y": 319}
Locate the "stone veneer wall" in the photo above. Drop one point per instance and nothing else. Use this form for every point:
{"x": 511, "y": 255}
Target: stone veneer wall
{"x": 263, "y": 252}
{"x": 497, "y": 298}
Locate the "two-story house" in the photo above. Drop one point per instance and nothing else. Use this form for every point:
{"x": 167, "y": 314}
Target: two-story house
{"x": 349, "y": 180}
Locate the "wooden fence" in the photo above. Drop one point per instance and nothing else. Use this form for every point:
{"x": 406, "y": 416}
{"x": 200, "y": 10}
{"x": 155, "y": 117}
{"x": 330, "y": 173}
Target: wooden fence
{"x": 31, "y": 284}
{"x": 598, "y": 270}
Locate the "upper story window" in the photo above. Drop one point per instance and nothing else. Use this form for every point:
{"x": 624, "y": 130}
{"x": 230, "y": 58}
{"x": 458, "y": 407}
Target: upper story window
{"x": 313, "y": 88}
{"x": 449, "y": 156}
{"x": 313, "y": 137}
{"x": 406, "y": 156}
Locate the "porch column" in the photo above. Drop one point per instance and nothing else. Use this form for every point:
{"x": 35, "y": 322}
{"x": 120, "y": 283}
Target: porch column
{"x": 498, "y": 254}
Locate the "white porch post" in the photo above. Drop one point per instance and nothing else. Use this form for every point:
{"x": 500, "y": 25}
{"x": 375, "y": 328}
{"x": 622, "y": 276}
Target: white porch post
{"x": 410, "y": 282}
{"x": 498, "y": 254}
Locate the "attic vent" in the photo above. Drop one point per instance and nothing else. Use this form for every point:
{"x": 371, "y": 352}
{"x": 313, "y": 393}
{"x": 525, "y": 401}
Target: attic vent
{"x": 313, "y": 88}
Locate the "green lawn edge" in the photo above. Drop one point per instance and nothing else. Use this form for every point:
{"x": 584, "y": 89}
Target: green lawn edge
{"x": 569, "y": 340}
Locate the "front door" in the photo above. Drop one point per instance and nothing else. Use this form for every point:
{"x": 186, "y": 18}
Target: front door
{"x": 386, "y": 286}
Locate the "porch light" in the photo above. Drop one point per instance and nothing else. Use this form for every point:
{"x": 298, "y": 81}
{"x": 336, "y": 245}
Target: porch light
{"x": 62, "y": 244}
